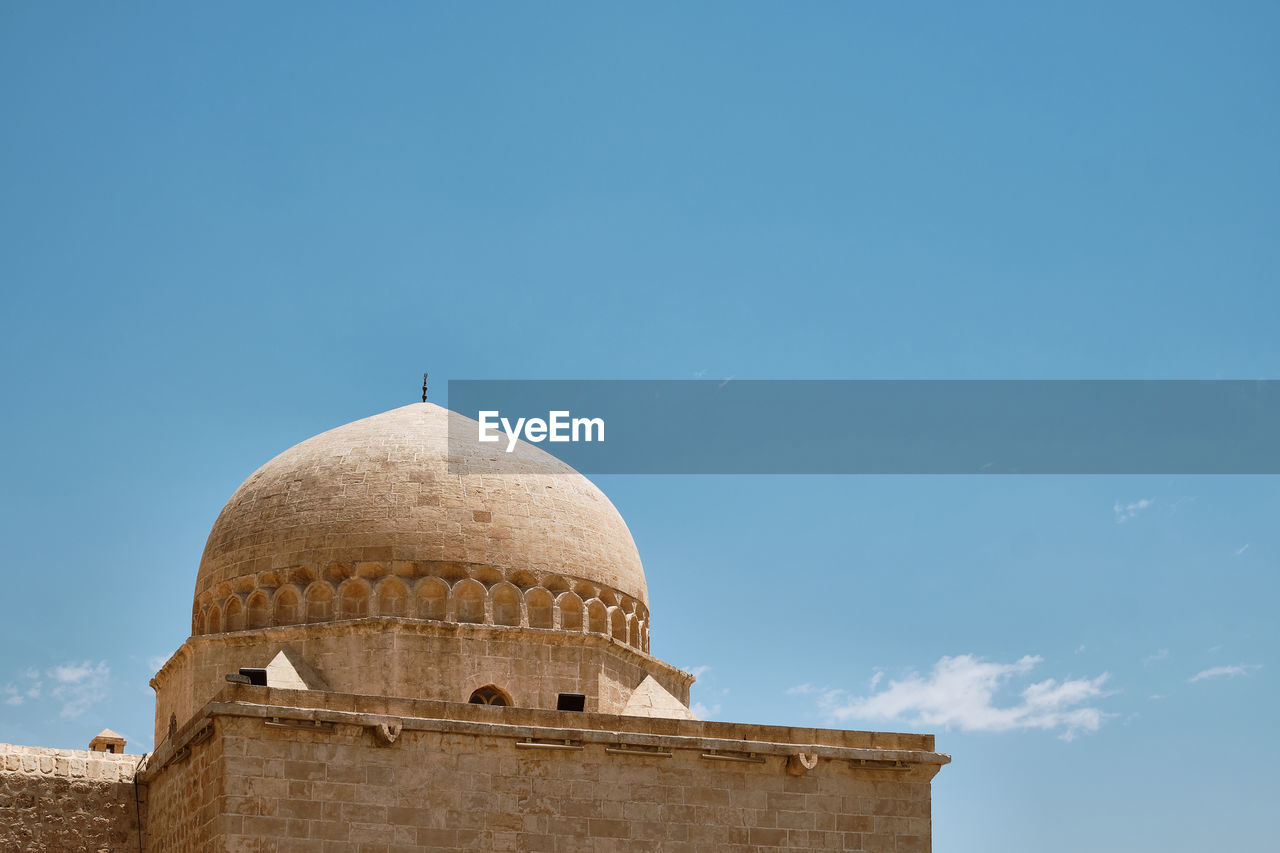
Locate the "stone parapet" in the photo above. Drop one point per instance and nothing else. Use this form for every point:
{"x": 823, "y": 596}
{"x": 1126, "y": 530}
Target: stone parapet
{"x": 322, "y": 710}
{"x": 67, "y": 763}
{"x": 68, "y": 799}
{"x": 313, "y": 771}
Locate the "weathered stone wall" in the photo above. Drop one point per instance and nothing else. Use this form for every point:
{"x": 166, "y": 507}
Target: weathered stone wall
{"x": 320, "y": 780}
{"x": 180, "y": 793}
{"x": 419, "y": 660}
{"x": 67, "y": 800}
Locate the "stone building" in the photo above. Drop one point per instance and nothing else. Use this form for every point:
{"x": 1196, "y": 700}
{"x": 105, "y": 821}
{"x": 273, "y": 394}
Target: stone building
{"x": 390, "y": 652}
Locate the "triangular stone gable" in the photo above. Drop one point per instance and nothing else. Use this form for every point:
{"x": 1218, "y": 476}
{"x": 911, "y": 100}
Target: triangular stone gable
{"x": 651, "y": 699}
{"x": 288, "y": 671}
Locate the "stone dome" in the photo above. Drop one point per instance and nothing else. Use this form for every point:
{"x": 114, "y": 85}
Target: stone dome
{"x": 372, "y": 512}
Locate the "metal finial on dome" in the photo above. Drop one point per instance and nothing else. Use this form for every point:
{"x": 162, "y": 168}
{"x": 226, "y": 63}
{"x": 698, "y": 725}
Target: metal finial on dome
{"x": 424, "y": 387}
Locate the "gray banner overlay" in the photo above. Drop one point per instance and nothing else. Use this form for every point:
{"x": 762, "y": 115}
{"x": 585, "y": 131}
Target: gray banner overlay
{"x": 887, "y": 427}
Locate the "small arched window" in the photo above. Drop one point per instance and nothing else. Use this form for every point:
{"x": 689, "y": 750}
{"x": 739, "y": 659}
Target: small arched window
{"x": 490, "y": 695}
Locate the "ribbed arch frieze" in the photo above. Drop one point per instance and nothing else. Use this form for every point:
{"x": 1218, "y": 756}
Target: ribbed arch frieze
{"x": 451, "y": 593}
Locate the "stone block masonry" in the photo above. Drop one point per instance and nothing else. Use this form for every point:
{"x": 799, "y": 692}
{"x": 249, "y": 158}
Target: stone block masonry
{"x": 270, "y": 776}
{"x": 67, "y": 800}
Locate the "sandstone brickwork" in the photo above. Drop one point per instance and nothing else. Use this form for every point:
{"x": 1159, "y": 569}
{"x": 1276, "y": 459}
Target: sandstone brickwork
{"x": 60, "y": 800}
{"x": 304, "y": 777}
{"x": 420, "y": 660}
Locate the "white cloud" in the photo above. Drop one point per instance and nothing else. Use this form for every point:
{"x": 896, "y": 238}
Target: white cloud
{"x": 1155, "y": 697}
{"x": 1239, "y": 552}
{"x": 1127, "y": 511}
{"x": 801, "y": 690}
{"x": 960, "y": 692}
{"x": 79, "y": 686}
{"x": 703, "y": 712}
{"x": 17, "y": 694}
{"x": 1080, "y": 649}
{"x": 705, "y": 689}
{"x": 1224, "y": 671}
{"x": 1155, "y": 656}
{"x": 154, "y": 663}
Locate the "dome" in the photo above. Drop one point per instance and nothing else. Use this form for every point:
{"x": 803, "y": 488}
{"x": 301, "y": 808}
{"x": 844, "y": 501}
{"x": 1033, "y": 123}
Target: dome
{"x": 376, "y": 500}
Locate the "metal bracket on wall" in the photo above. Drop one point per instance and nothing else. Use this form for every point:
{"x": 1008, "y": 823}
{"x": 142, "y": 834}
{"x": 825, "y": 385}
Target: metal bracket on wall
{"x": 878, "y": 764}
{"x": 530, "y": 743}
{"x": 203, "y": 735}
{"x": 631, "y": 749}
{"x": 184, "y": 752}
{"x": 306, "y": 725}
{"x": 743, "y": 757}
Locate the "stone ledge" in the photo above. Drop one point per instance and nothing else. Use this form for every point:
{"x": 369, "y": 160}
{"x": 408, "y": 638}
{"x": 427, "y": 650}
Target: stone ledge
{"x": 68, "y": 763}
{"x": 238, "y": 700}
{"x": 542, "y": 718}
{"x": 579, "y": 735}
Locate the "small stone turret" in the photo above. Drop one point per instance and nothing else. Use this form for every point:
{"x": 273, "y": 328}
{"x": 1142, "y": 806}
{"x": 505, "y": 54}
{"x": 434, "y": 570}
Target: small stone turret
{"x": 107, "y": 741}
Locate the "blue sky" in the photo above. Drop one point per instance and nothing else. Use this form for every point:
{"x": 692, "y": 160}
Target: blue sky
{"x": 228, "y": 228}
